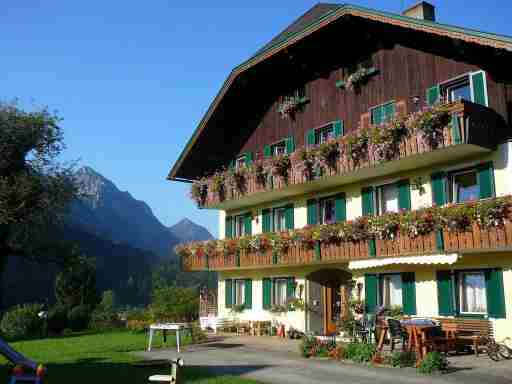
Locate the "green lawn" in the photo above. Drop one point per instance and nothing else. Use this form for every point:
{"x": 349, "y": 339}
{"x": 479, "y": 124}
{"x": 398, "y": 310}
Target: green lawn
{"x": 102, "y": 358}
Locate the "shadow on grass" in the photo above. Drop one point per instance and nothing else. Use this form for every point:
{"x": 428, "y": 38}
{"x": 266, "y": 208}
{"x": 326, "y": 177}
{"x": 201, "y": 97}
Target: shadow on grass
{"x": 93, "y": 370}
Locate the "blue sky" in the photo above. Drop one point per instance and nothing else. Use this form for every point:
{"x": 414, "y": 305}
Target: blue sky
{"x": 133, "y": 78}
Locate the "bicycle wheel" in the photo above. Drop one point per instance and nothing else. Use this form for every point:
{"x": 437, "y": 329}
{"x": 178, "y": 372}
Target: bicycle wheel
{"x": 493, "y": 351}
{"x": 504, "y": 351}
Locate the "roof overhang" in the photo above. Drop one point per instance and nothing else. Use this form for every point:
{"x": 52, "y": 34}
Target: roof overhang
{"x": 444, "y": 30}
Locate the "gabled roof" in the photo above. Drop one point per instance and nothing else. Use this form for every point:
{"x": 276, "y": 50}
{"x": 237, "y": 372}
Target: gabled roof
{"x": 323, "y": 14}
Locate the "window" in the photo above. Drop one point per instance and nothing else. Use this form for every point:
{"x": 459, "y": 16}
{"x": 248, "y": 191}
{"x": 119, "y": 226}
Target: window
{"x": 383, "y": 113}
{"x": 465, "y": 186}
{"x": 457, "y": 90}
{"x": 239, "y": 292}
{"x": 327, "y": 211}
{"x": 279, "y": 294}
{"x": 279, "y": 219}
{"x": 390, "y": 290}
{"x": 472, "y": 294}
{"x": 239, "y": 226}
{"x": 240, "y": 162}
{"x": 324, "y": 134}
{"x": 387, "y": 198}
{"x": 278, "y": 149}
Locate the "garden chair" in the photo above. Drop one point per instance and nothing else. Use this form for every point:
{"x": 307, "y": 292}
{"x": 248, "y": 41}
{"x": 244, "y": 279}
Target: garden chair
{"x": 174, "y": 378}
{"x": 366, "y": 329}
{"x": 396, "y": 334}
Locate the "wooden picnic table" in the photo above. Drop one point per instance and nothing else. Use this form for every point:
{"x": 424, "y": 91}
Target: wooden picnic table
{"x": 418, "y": 338}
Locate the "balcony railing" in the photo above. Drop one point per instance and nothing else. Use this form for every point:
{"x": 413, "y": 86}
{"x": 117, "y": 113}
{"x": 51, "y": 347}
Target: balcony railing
{"x": 476, "y": 237}
{"x": 473, "y": 130}
{"x": 472, "y": 241}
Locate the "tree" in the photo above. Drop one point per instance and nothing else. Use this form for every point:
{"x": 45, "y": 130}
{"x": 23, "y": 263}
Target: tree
{"x": 35, "y": 189}
{"x": 75, "y": 285}
{"x": 175, "y": 304}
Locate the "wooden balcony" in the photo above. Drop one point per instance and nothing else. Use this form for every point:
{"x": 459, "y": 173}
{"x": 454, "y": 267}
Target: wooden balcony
{"x": 477, "y": 132}
{"x": 475, "y": 240}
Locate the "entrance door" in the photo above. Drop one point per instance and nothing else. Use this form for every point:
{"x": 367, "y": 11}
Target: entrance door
{"x": 334, "y": 306}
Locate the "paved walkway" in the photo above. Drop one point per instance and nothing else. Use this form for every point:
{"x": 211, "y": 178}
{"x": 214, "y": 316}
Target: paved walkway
{"x": 271, "y": 360}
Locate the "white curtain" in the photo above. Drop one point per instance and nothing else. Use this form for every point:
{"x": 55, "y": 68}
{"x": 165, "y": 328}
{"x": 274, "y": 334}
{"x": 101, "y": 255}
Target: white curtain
{"x": 395, "y": 290}
{"x": 473, "y": 297}
{"x": 240, "y": 292}
{"x": 390, "y": 198}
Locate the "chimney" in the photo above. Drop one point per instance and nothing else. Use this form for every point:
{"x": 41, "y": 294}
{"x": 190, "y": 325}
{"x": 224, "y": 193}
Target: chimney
{"x": 421, "y": 10}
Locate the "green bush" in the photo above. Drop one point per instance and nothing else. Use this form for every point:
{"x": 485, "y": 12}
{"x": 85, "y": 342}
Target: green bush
{"x": 312, "y": 347}
{"x": 79, "y": 317}
{"x": 57, "y": 319}
{"x": 403, "y": 359}
{"x": 360, "y": 352}
{"x": 432, "y": 363}
{"x": 22, "y": 322}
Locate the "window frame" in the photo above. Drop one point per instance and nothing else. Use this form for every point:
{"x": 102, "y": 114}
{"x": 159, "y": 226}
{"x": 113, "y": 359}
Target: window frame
{"x": 237, "y": 283}
{"x": 380, "y": 293}
{"x": 457, "y": 283}
{"x": 379, "y": 196}
{"x": 240, "y": 161}
{"x": 281, "y": 144}
{"x": 327, "y": 128}
{"x": 275, "y": 289}
{"x": 452, "y": 192}
{"x": 321, "y": 209}
{"x": 275, "y": 210}
{"x": 446, "y": 87}
{"x": 384, "y": 120}
{"x": 236, "y": 228}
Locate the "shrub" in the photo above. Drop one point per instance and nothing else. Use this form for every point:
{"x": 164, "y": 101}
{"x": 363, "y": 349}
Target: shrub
{"x": 197, "y": 334}
{"x": 102, "y": 319}
{"x": 311, "y": 347}
{"x": 403, "y": 359}
{"x": 22, "y": 322}
{"x": 79, "y": 317}
{"x": 57, "y": 319}
{"x": 337, "y": 353}
{"x": 138, "y": 326}
{"x": 432, "y": 363}
{"x": 360, "y": 352}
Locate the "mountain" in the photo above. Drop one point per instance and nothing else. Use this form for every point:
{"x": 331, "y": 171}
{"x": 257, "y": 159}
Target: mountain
{"x": 186, "y": 231}
{"x": 106, "y": 211}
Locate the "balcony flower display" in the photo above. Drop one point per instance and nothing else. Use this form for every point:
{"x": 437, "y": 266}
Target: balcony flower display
{"x": 355, "y": 79}
{"x": 199, "y": 191}
{"x": 430, "y": 121}
{"x": 289, "y": 106}
{"x": 455, "y": 218}
{"x": 281, "y": 167}
{"x": 237, "y": 180}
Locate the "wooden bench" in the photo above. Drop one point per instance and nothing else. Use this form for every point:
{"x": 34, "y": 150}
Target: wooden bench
{"x": 467, "y": 331}
{"x": 243, "y": 328}
{"x": 225, "y": 325}
{"x": 260, "y": 328}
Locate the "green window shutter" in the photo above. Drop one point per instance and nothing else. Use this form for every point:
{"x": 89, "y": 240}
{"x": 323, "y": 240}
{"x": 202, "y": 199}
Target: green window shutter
{"x": 248, "y": 294}
{"x": 404, "y": 195}
{"x": 409, "y": 293}
{"x": 339, "y": 129}
{"x": 248, "y": 224}
{"x": 248, "y": 159}
{"x": 267, "y": 151}
{"x": 439, "y": 188}
{"x": 232, "y": 164}
{"x": 445, "y": 293}
{"x": 229, "y": 227}
{"x": 439, "y": 240}
{"x": 290, "y": 288}
{"x": 486, "y": 180}
{"x": 368, "y": 201}
{"x": 266, "y": 220}
{"x": 377, "y": 115}
{"x": 290, "y": 145}
{"x": 389, "y": 111}
{"x": 228, "y": 288}
{"x": 433, "y": 94}
{"x": 289, "y": 219}
{"x": 479, "y": 88}
{"x": 312, "y": 212}
{"x": 310, "y": 137}
{"x": 370, "y": 292}
{"x": 340, "y": 205}
{"x": 267, "y": 293}
{"x": 455, "y": 129}
{"x": 495, "y": 293}
{"x": 372, "y": 248}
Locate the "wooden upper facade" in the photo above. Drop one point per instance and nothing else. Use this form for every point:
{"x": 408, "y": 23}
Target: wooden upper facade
{"x": 405, "y": 62}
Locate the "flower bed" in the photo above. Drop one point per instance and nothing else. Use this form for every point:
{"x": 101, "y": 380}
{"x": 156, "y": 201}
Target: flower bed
{"x": 490, "y": 215}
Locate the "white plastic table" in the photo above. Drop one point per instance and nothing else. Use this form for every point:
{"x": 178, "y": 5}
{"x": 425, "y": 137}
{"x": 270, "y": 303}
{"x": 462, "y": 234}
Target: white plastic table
{"x": 167, "y": 327}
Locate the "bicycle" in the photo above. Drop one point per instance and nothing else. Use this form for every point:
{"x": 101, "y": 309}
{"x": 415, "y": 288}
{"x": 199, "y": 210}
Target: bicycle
{"x": 496, "y": 351}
